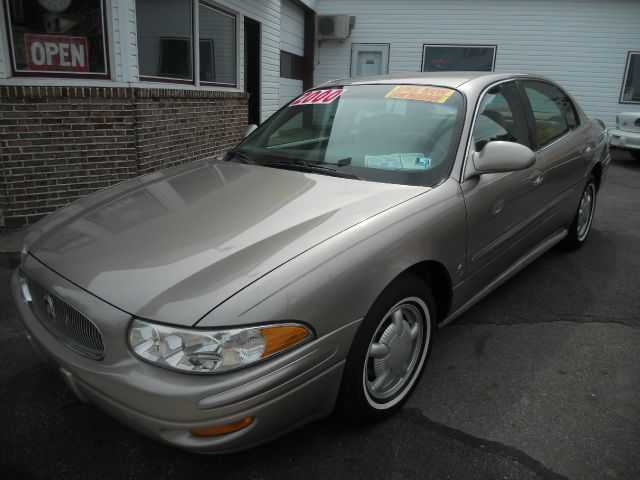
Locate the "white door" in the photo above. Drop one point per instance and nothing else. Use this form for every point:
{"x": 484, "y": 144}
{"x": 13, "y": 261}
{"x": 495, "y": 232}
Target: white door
{"x": 369, "y": 59}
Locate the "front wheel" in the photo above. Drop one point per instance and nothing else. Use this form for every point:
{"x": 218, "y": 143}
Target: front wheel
{"x": 389, "y": 352}
{"x": 581, "y": 225}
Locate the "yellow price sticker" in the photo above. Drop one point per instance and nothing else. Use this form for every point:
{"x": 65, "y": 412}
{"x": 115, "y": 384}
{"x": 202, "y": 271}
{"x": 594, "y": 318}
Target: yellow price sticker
{"x": 422, "y": 94}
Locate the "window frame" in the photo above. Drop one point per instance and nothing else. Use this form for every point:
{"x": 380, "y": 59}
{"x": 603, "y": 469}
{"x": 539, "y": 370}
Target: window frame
{"x": 195, "y": 49}
{"x": 294, "y": 57}
{"x": 630, "y": 53}
{"x": 106, "y": 75}
{"x": 458, "y": 45}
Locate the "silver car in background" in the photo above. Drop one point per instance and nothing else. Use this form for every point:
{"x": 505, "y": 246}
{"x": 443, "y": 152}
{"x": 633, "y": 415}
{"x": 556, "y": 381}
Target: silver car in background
{"x": 626, "y": 135}
{"x": 219, "y": 304}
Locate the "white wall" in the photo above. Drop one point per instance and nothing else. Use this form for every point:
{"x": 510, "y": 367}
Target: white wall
{"x": 582, "y": 44}
{"x": 292, "y": 41}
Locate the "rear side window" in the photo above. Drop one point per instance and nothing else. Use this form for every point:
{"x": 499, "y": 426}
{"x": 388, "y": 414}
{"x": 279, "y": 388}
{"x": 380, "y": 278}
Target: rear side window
{"x": 549, "y": 107}
{"x": 501, "y": 117}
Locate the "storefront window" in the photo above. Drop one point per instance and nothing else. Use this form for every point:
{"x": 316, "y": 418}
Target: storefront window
{"x": 631, "y": 85}
{"x": 57, "y": 37}
{"x": 167, "y": 33}
{"x": 164, "y": 39}
{"x": 217, "y": 46}
{"x": 458, "y": 58}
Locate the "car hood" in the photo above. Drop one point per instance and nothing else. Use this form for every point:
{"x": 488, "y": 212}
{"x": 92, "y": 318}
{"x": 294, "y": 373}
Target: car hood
{"x": 172, "y": 245}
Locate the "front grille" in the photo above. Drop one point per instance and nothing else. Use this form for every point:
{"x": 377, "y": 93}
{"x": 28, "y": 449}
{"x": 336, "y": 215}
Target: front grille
{"x": 68, "y": 325}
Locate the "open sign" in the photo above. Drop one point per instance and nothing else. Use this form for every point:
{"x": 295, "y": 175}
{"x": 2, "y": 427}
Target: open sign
{"x": 57, "y": 52}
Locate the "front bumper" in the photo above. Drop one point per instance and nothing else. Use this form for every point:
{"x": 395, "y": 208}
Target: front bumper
{"x": 280, "y": 394}
{"x": 624, "y": 139}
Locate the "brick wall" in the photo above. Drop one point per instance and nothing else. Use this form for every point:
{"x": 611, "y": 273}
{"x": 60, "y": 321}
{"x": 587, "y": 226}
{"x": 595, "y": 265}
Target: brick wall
{"x": 177, "y": 126}
{"x": 58, "y": 144}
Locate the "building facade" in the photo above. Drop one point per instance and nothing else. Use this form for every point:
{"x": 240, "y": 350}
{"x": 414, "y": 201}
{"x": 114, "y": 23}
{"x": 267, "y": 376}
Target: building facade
{"x": 94, "y": 92}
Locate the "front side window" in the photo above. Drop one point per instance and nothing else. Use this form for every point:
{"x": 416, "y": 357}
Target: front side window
{"x": 631, "y": 84}
{"x": 58, "y": 37}
{"x": 167, "y": 35}
{"x": 548, "y": 107}
{"x": 458, "y": 58}
{"x": 501, "y": 118}
{"x": 400, "y": 134}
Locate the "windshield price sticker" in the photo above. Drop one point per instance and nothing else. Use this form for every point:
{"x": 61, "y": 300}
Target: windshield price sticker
{"x": 422, "y": 94}
{"x": 318, "y": 96}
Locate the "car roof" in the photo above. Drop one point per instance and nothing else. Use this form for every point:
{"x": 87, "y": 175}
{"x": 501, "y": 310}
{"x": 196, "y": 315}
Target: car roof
{"x": 444, "y": 79}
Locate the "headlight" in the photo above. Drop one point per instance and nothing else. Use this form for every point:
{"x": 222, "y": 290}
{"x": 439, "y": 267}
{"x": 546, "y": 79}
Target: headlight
{"x": 212, "y": 351}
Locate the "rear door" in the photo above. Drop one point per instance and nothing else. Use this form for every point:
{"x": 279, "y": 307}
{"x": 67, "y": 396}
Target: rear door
{"x": 503, "y": 209}
{"x": 564, "y": 147}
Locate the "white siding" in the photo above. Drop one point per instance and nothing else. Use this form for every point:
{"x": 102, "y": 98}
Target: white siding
{"x": 5, "y": 67}
{"x": 292, "y": 41}
{"x": 582, "y": 44}
{"x": 267, "y": 12}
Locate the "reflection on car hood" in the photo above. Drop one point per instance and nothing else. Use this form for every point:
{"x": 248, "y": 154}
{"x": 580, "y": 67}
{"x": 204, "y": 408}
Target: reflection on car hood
{"x": 172, "y": 245}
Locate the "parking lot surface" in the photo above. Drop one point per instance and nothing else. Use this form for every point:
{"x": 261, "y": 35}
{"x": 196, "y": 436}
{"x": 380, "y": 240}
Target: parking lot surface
{"x": 540, "y": 380}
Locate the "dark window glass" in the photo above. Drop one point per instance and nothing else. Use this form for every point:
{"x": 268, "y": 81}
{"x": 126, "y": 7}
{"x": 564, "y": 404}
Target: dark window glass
{"x": 291, "y": 65}
{"x": 501, "y": 118}
{"x": 164, "y": 38}
{"x": 217, "y": 45}
{"x": 438, "y": 58}
{"x": 58, "y": 36}
{"x": 548, "y": 106}
{"x": 631, "y": 85}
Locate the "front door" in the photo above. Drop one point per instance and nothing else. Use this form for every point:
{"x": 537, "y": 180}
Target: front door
{"x": 503, "y": 209}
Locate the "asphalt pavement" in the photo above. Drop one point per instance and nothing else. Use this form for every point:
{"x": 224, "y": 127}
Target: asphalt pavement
{"x": 540, "y": 380}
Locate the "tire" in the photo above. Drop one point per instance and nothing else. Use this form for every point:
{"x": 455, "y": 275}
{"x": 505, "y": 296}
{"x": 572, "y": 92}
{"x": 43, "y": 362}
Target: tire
{"x": 635, "y": 154}
{"x": 581, "y": 225}
{"x": 379, "y": 354}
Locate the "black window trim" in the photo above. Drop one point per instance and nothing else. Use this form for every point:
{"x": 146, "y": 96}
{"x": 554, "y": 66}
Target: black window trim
{"x": 461, "y": 45}
{"x": 106, "y": 75}
{"x": 630, "y": 53}
{"x": 528, "y": 107}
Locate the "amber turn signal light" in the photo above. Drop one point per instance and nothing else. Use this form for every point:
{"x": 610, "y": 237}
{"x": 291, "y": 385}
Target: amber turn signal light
{"x": 223, "y": 429}
{"x": 281, "y": 337}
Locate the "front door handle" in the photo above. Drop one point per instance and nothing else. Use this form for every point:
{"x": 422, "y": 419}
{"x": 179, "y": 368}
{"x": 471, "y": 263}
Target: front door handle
{"x": 537, "y": 177}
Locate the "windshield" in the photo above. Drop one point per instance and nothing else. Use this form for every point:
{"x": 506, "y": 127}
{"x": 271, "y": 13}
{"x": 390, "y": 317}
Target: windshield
{"x": 403, "y": 134}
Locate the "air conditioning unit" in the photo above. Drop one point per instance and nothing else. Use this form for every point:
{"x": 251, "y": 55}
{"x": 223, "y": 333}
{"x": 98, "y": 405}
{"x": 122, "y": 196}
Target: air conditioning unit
{"x": 332, "y": 27}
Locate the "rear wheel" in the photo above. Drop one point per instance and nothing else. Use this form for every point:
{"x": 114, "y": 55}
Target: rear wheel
{"x": 581, "y": 225}
{"x": 389, "y": 353}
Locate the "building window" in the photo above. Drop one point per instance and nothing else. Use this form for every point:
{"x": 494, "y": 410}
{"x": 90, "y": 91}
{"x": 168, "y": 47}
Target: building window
{"x": 57, "y": 37}
{"x": 291, "y": 65}
{"x": 631, "y": 84}
{"x": 217, "y": 34}
{"x": 166, "y": 36}
{"x": 369, "y": 59}
{"x": 458, "y": 58}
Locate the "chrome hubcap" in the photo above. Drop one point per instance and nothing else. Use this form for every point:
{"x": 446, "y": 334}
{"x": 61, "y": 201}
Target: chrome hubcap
{"x": 585, "y": 211}
{"x": 394, "y": 351}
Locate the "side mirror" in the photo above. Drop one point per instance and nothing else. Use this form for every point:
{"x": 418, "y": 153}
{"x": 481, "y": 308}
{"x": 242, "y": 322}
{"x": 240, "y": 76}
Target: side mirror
{"x": 249, "y": 130}
{"x": 500, "y": 156}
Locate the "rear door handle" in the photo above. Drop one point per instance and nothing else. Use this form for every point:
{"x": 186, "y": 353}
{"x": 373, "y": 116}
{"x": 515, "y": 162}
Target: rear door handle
{"x": 537, "y": 177}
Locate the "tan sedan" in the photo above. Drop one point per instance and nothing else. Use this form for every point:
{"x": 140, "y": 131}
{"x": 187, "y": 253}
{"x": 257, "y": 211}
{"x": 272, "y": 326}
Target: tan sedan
{"x": 219, "y": 304}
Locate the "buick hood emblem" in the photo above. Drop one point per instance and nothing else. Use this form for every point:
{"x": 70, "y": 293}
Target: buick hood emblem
{"x": 49, "y": 306}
